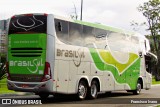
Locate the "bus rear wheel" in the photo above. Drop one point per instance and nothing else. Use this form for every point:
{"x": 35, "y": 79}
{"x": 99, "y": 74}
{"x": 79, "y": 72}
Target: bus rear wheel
{"x": 93, "y": 90}
{"x": 82, "y": 90}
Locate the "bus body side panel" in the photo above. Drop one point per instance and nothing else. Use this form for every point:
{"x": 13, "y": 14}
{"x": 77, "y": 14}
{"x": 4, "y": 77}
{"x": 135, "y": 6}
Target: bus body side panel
{"x": 50, "y": 50}
{"x": 66, "y": 69}
{"x": 72, "y": 78}
{"x": 116, "y": 70}
{"x": 117, "y": 76}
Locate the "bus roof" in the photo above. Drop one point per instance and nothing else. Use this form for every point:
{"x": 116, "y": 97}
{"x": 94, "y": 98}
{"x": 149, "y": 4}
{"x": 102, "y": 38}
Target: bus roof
{"x": 101, "y": 26}
{"x": 96, "y": 25}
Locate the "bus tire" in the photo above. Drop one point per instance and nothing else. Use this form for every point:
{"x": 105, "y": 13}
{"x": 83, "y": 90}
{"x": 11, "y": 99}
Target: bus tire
{"x": 43, "y": 95}
{"x": 93, "y": 90}
{"x": 138, "y": 88}
{"x": 82, "y": 90}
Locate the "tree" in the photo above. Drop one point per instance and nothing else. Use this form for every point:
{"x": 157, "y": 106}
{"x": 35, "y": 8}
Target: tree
{"x": 2, "y": 66}
{"x": 137, "y": 26}
{"x": 151, "y": 10}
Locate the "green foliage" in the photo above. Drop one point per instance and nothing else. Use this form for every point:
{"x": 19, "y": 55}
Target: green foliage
{"x": 150, "y": 38}
{"x": 154, "y": 82}
{"x": 151, "y": 11}
{"x": 3, "y": 87}
{"x": 2, "y": 67}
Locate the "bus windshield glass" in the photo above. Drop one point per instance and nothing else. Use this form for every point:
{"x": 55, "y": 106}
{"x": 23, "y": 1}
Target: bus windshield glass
{"x": 24, "y": 24}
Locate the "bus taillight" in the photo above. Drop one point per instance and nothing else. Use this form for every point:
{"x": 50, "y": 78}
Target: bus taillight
{"x": 47, "y": 72}
{"x": 7, "y": 71}
{"x": 13, "y": 17}
{"x": 45, "y": 14}
{"x": 28, "y": 14}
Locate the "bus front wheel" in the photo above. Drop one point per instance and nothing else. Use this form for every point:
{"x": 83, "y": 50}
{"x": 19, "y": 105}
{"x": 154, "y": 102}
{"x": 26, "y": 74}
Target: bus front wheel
{"x": 138, "y": 88}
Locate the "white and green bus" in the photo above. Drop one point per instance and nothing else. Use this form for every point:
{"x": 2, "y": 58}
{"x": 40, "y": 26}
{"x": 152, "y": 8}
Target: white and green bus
{"x": 48, "y": 54}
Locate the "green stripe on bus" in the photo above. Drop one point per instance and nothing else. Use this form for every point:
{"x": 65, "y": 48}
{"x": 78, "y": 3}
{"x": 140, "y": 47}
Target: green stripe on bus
{"x": 130, "y": 74}
{"x": 100, "y": 26}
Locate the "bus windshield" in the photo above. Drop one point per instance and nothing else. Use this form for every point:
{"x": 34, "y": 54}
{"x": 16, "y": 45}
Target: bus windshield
{"x": 24, "y": 24}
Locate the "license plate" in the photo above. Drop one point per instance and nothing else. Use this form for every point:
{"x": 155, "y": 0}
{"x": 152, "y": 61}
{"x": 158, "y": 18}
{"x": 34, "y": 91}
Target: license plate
{"x": 24, "y": 85}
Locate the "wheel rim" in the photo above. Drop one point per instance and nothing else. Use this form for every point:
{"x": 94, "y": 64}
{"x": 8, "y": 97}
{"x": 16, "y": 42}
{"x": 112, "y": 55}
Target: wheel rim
{"x": 138, "y": 88}
{"x": 93, "y": 90}
{"x": 82, "y": 91}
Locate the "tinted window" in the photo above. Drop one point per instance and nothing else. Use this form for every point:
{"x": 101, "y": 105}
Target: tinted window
{"x": 100, "y": 36}
{"x": 62, "y": 30}
{"x": 28, "y": 24}
{"x": 134, "y": 44}
{"x": 117, "y": 42}
{"x": 89, "y": 38}
{"x": 75, "y": 34}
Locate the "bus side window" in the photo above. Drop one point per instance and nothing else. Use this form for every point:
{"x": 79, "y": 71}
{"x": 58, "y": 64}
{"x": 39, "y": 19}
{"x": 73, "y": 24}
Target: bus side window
{"x": 61, "y": 28}
{"x": 89, "y": 39}
{"x": 100, "y": 38}
{"x": 117, "y": 42}
{"x": 75, "y": 34}
{"x": 135, "y": 46}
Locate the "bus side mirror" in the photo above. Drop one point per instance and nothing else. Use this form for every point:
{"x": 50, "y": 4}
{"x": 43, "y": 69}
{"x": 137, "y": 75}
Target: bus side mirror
{"x": 59, "y": 26}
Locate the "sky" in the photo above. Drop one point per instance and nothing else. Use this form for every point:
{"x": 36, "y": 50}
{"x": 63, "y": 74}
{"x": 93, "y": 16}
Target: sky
{"x": 116, "y": 13}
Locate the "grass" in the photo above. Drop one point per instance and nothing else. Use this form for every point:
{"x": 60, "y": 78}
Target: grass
{"x": 3, "y": 87}
{"x": 154, "y": 82}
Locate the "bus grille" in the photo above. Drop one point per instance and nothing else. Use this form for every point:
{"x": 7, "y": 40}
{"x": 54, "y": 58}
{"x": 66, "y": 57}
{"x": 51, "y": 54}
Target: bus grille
{"x": 26, "y": 52}
{"x": 26, "y": 78}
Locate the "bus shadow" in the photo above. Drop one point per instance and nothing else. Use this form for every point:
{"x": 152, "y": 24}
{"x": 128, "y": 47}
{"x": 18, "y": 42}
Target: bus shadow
{"x": 72, "y": 99}
{"x": 105, "y": 98}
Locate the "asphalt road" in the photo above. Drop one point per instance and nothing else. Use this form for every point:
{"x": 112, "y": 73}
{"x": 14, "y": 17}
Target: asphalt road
{"x": 115, "y": 99}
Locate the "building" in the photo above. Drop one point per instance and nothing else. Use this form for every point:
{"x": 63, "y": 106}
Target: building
{"x": 3, "y": 40}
